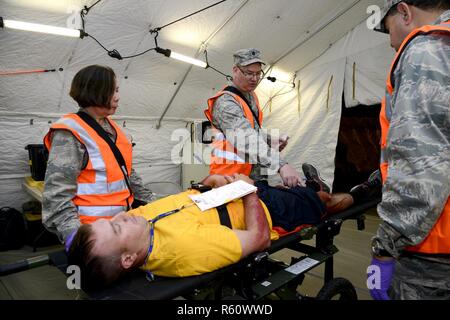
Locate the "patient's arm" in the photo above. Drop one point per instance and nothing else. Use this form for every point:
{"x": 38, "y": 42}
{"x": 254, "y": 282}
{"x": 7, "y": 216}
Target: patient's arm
{"x": 257, "y": 235}
{"x": 215, "y": 180}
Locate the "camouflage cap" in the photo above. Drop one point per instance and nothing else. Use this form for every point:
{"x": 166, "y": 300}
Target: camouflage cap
{"x": 245, "y": 57}
{"x": 388, "y": 4}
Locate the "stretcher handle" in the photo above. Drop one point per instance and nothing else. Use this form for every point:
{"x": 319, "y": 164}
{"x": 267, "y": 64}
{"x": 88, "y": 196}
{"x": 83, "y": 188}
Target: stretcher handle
{"x": 23, "y": 265}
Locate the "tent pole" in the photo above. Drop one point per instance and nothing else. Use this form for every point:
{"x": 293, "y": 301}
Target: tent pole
{"x": 312, "y": 34}
{"x": 158, "y": 125}
{"x": 200, "y": 50}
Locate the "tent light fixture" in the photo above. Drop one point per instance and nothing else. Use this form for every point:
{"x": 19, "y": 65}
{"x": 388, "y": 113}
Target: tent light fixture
{"x": 174, "y": 55}
{"x": 35, "y": 27}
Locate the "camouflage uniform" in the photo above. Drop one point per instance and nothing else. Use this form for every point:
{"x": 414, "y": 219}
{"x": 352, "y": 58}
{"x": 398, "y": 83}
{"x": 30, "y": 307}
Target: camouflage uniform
{"x": 229, "y": 118}
{"x": 418, "y": 154}
{"x": 66, "y": 160}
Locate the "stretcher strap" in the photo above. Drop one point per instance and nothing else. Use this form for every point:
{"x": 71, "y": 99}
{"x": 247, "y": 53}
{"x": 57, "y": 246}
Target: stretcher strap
{"x": 224, "y": 216}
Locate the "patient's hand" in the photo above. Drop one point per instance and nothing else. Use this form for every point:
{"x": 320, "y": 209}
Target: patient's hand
{"x": 239, "y": 176}
{"x": 215, "y": 181}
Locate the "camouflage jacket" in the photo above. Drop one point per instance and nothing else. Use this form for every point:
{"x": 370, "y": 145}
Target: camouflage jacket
{"x": 66, "y": 159}
{"x": 418, "y": 145}
{"x": 229, "y": 118}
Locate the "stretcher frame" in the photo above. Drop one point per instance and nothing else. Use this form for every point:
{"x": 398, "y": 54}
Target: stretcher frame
{"x": 253, "y": 278}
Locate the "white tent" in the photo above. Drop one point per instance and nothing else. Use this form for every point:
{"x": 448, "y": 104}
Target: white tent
{"x": 323, "y": 46}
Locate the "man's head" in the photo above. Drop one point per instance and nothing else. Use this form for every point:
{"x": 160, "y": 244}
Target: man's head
{"x": 247, "y": 69}
{"x": 399, "y": 18}
{"x": 106, "y": 249}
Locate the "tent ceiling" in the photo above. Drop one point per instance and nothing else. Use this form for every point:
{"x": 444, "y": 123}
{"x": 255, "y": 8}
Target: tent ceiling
{"x": 291, "y": 33}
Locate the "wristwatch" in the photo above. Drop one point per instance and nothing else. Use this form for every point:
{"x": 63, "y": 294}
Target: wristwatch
{"x": 200, "y": 187}
{"x": 378, "y": 250}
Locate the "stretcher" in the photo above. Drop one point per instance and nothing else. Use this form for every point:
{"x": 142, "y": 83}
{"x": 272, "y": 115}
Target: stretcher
{"x": 253, "y": 278}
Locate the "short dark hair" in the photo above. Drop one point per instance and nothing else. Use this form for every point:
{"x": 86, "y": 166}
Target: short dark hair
{"x": 96, "y": 271}
{"x": 424, "y": 5}
{"x": 93, "y": 86}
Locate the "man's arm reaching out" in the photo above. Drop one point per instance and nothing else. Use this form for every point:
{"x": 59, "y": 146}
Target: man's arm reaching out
{"x": 257, "y": 235}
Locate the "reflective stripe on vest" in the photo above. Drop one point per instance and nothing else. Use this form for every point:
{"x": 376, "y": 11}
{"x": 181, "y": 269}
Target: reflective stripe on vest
{"x": 438, "y": 240}
{"x": 100, "y": 211}
{"x": 224, "y": 156}
{"x": 101, "y": 187}
{"x": 227, "y": 156}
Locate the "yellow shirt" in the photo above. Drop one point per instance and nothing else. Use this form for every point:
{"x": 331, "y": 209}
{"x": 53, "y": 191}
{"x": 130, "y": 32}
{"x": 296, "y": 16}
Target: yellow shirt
{"x": 192, "y": 242}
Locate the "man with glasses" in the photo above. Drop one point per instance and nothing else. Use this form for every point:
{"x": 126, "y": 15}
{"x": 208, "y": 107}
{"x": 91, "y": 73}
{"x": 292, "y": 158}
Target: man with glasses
{"x": 411, "y": 251}
{"x": 239, "y": 145}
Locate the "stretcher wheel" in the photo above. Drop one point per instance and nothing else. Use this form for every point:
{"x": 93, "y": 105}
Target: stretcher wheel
{"x": 337, "y": 289}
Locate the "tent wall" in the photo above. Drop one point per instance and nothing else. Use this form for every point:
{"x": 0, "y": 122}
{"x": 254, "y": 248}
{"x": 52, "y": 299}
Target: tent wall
{"x": 303, "y": 113}
{"x": 151, "y": 157}
{"x": 290, "y": 33}
{"x": 309, "y": 115}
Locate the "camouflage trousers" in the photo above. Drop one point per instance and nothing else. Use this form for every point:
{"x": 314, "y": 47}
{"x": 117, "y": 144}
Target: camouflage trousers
{"x": 420, "y": 278}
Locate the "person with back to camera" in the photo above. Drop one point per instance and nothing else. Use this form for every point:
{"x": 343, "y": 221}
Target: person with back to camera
{"x": 411, "y": 250}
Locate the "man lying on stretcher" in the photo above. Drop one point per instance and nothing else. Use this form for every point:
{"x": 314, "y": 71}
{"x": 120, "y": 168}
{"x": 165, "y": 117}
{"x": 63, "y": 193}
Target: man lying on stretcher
{"x": 172, "y": 237}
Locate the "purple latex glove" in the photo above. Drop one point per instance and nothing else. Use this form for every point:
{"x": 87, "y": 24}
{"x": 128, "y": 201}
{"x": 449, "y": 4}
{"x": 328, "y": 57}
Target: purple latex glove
{"x": 69, "y": 240}
{"x": 384, "y": 269}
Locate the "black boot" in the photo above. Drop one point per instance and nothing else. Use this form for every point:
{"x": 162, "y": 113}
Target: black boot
{"x": 313, "y": 179}
{"x": 368, "y": 189}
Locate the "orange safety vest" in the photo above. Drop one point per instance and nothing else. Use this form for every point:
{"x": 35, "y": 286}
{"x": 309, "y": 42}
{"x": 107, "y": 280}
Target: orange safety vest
{"x": 224, "y": 156}
{"x": 438, "y": 240}
{"x": 102, "y": 191}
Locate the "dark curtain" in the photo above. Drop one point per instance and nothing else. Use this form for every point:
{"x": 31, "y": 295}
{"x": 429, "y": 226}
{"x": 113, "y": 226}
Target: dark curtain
{"x": 358, "y": 148}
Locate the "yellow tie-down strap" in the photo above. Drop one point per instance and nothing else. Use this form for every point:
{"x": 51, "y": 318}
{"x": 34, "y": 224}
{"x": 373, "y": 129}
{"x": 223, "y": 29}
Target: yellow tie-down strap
{"x": 35, "y": 184}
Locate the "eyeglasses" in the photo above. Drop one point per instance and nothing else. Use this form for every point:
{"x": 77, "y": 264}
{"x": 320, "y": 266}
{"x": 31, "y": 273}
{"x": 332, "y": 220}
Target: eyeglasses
{"x": 250, "y": 75}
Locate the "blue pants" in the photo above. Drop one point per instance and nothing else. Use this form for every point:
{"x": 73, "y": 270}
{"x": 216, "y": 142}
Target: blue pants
{"x": 292, "y": 207}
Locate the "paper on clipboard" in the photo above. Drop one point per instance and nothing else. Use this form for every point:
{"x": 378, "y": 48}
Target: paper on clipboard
{"x": 219, "y": 196}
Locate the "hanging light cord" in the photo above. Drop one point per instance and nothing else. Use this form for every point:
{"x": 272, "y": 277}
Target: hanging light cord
{"x": 115, "y": 53}
{"x": 228, "y": 77}
{"x": 279, "y": 92}
{"x": 112, "y": 53}
{"x": 189, "y": 15}
{"x": 85, "y": 11}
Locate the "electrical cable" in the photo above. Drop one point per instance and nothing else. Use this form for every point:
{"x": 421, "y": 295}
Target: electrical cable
{"x": 189, "y": 15}
{"x": 85, "y": 11}
{"x": 115, "y": 53}
{"x": 112, "y": 53}
{"x": 273, "y": 79}
{"x": 228, "y": 77}
{"x": 282, "y": 93}
{"x": 275, "y": 96}
{"x": 139, "y": 54}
